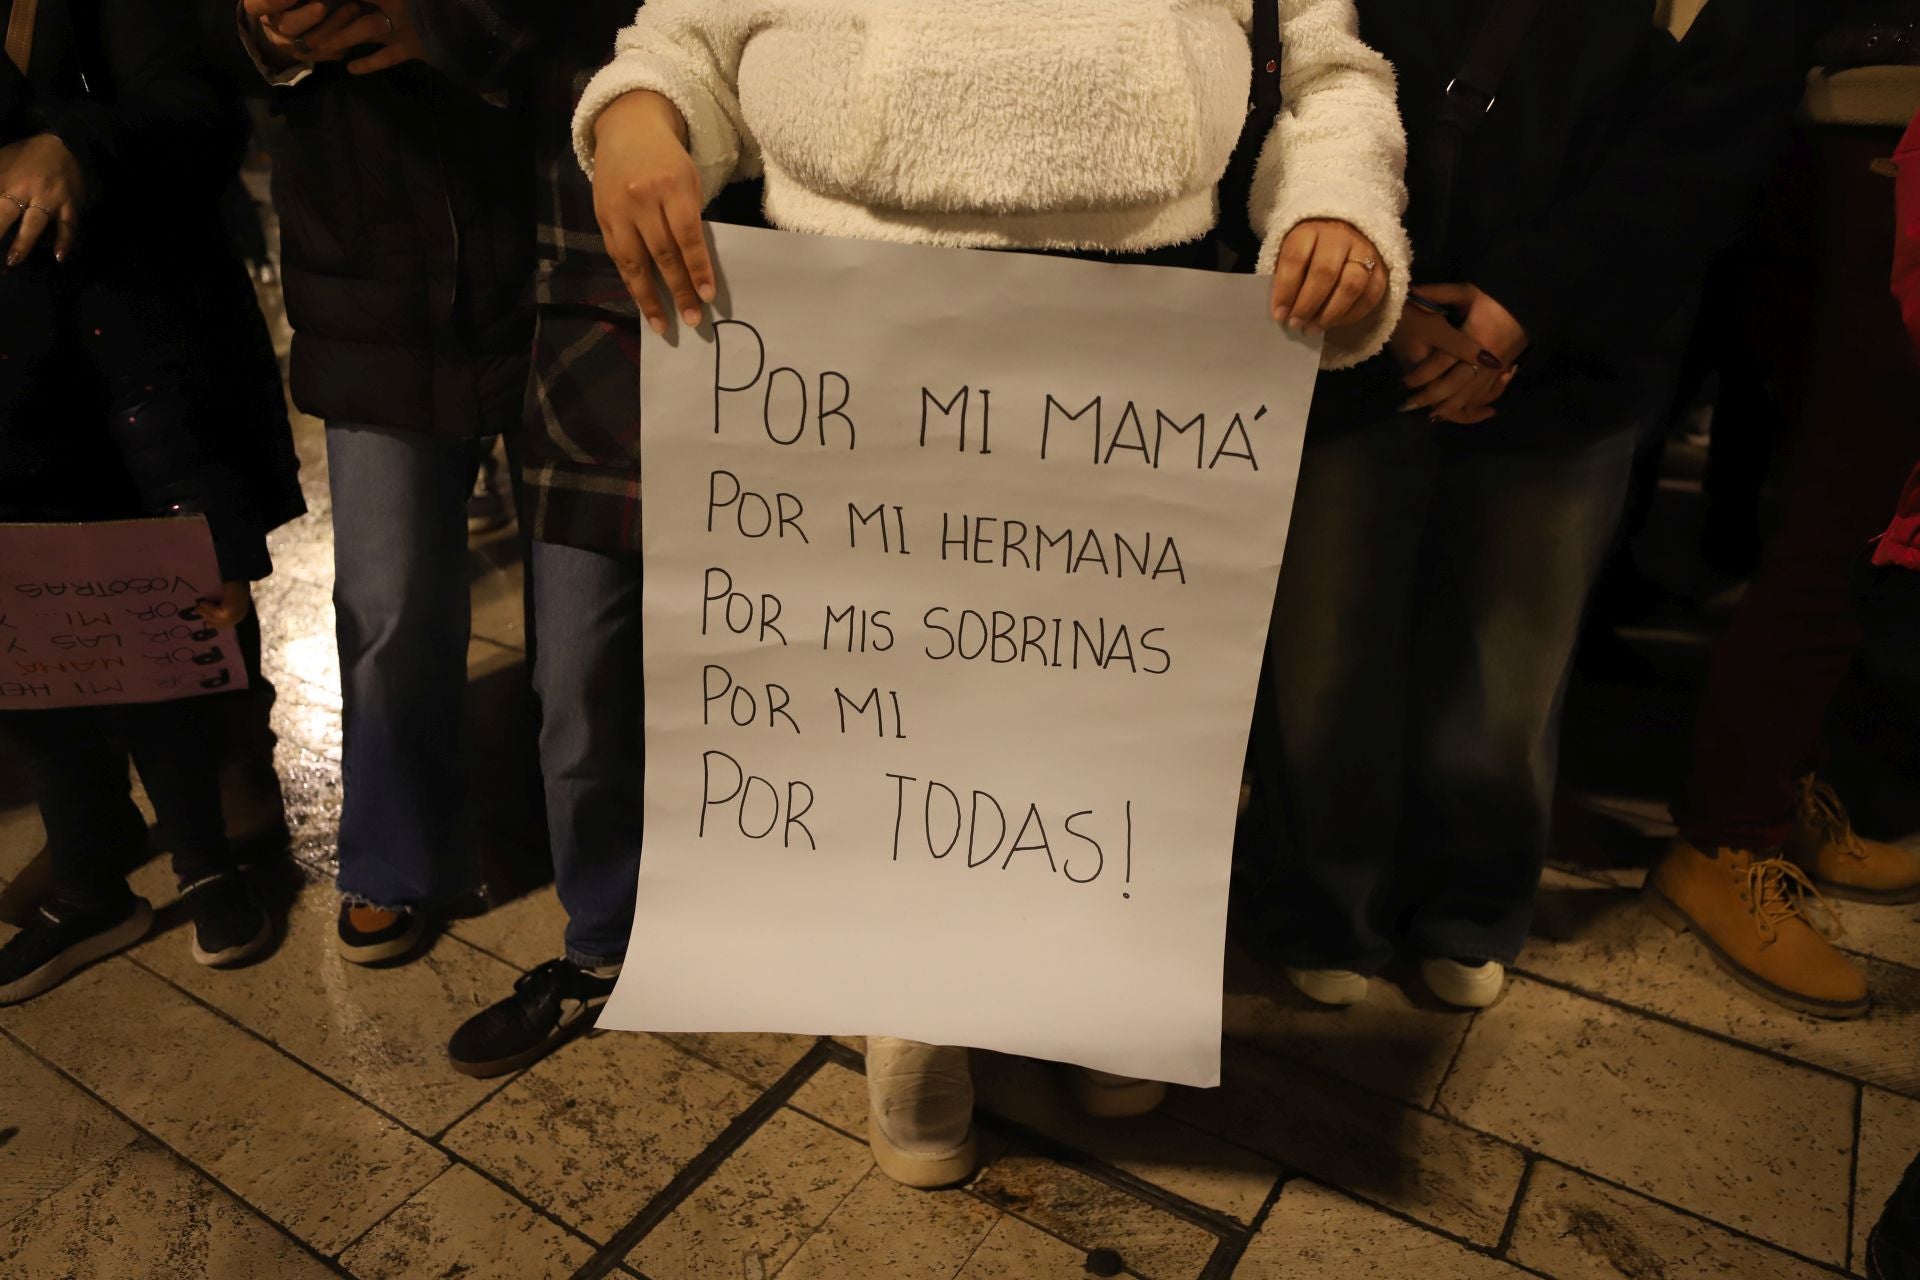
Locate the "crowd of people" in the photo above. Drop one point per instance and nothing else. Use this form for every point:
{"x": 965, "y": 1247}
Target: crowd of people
{"x": 1499, "y": 215}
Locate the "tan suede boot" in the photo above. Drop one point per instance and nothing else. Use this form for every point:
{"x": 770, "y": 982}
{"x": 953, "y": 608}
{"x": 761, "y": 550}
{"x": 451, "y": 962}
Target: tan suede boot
{"x": 1843, "y": 862}
{"x": 1751, "y": 914}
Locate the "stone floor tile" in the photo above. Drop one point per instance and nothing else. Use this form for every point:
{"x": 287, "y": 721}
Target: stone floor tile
{"x": 884, "y": 1231}
{"x": 760, "y": 1058}
{"x": 1393, "y": 1042}
{"x": 462, "y": 1225}
{"x": 498, "y": 613}
{"x": 1157, "y": 1148}
{"x": 379, "y": 1033}
{"x": 50, "y": 1131}
{"x": 1315, "y": 1233}
{"x": 754, "y": 1211}
{"x": 1153, "y": 1243}
{"x": 1732, "y": 1135}
{"x": 835, "y": 1095}
{"x": 1573, "y": 1227}
{"x": 1013, "y": 1250}
{"x": 488, "y": 658}
{"x": 320, "y": 1163}
{"x": 1889, "y": 1142}
{"x": 1601, "y": 940}
{"x": 1418, "y": 1164}
{"x": 298, "y": 653}
{"x": 525, "y": 932}
{"x": 594, "y": 1132}
{"x": 143, "y": 1215}
{"x": 1891, "y": 934}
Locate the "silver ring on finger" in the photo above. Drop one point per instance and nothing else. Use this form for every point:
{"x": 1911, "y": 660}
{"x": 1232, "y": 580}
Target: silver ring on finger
{"x": 1368, "y": 265}
{"x": 24, "y": 204}
{"x": 391, "y": 29}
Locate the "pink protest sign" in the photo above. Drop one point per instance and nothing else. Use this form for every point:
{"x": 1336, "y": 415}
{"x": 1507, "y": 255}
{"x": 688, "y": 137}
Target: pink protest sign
{"x": 105, "y": 613}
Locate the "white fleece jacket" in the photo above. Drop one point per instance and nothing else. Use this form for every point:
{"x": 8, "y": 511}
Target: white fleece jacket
{"x": 1062, "y": 124}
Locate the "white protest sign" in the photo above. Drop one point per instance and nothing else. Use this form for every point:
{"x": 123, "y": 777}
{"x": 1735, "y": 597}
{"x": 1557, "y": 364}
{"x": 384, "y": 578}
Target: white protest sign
{"x": 959, "y": 568}
{"x": 108, "y": 612}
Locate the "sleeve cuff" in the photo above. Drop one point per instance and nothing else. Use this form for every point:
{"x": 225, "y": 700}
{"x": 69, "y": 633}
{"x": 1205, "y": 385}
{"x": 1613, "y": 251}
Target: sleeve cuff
{"x": 283, "y": 77}
{"x": 1362, "y": 210}
{"x": 1527, "y": 285}
{"x": 709, "y": 138}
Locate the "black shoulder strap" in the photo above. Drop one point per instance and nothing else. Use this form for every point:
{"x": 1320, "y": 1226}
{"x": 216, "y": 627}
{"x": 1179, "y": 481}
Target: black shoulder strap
{"x": 1265, "y": 39}
{"x": 1471, "y": 93}
{"x": 1263, "y": 109}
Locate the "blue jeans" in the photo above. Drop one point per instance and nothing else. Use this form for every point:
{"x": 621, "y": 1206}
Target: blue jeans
{"x": 400, "y": 598}
{"x": 1422, "y": 637}
{"x": 592, "y": 739}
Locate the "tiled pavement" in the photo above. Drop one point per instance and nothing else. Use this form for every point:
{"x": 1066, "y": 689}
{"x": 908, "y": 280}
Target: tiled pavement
{"x": 1623, "y": 1112}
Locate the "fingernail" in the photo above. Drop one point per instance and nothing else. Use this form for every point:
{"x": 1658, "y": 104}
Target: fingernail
{"x": 659, "y": 325}
{"x": 1296, "y": 323}
{"x": 1279, "y": 315}
{"x": 1488, "y": 360}
{"x": 1314, "y": 331}
{"x": 707, "y": 293}
{"x": 1406, "y": 407}
{"x": 1433, "y": 417}
{"x": 692, "y": 316}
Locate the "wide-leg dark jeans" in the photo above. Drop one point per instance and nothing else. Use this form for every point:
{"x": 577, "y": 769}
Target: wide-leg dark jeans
{"x": 1422, "y": 637}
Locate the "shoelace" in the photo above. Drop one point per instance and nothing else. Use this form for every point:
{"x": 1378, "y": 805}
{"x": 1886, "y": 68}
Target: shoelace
{"x": 1822, "y": 807}
{"x": 1778, "y": 890}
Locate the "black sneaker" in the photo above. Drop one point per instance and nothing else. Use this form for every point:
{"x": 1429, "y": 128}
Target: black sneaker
{"x": 375, "y": 935}
{"x": 229, "y": 927}
{"x": 33, "y": 884}
{"x": 63, "y": 938}
{"x": 549, "y": 1006}
{"x": 1893, "y": 1249}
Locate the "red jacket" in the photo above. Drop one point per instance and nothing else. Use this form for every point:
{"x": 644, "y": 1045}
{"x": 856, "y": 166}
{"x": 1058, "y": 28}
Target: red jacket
{"x": 1900, "y": 545}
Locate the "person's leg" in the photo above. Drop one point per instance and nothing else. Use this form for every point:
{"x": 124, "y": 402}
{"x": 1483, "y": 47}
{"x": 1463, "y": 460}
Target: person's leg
{"x": 402, "y": 616}
{"x": 1854, "y": 440}
{"x": 1792, "y": 639}
{"x": 1515, "y": 541}
{"x": 592, "y": 740}
{"x": 173, "y": 745}
{"x": 126, "y": 846}
{"x": 250, "y": 795}
{"x": 1327, "y": 756}
{"x": 80, "y": 777}
{"x": 90, "y": 913}
{"x": 587, "y": 674}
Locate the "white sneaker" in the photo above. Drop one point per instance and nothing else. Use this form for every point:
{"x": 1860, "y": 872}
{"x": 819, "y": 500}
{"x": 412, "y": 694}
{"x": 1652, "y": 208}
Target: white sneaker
{"x": 1330, "y": 986}
{"x": 920, "y": 1112}
{"x": 1106, "y": 1096}
{"x": 1465, "y": 986}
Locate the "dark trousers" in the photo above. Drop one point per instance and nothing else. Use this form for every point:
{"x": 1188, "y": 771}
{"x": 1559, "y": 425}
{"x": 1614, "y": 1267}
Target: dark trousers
{"x": 592, "y": 739}
{"x": 1854, "y": 439}
{"x": 402, "y": 617}
{"x": 79, "y": 758}
{"x": 1422, "y": 636}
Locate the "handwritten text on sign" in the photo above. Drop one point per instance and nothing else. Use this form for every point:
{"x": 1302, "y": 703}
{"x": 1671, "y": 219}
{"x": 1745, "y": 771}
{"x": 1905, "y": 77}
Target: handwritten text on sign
{"x": 105, "y": 613}
{"x": 959, "y": 567}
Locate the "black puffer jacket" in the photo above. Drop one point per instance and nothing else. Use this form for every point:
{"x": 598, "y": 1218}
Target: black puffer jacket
{"x": 1611, "y": 168}
{"x": 406, "y": 222}
{"x": 136, "y": 378}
